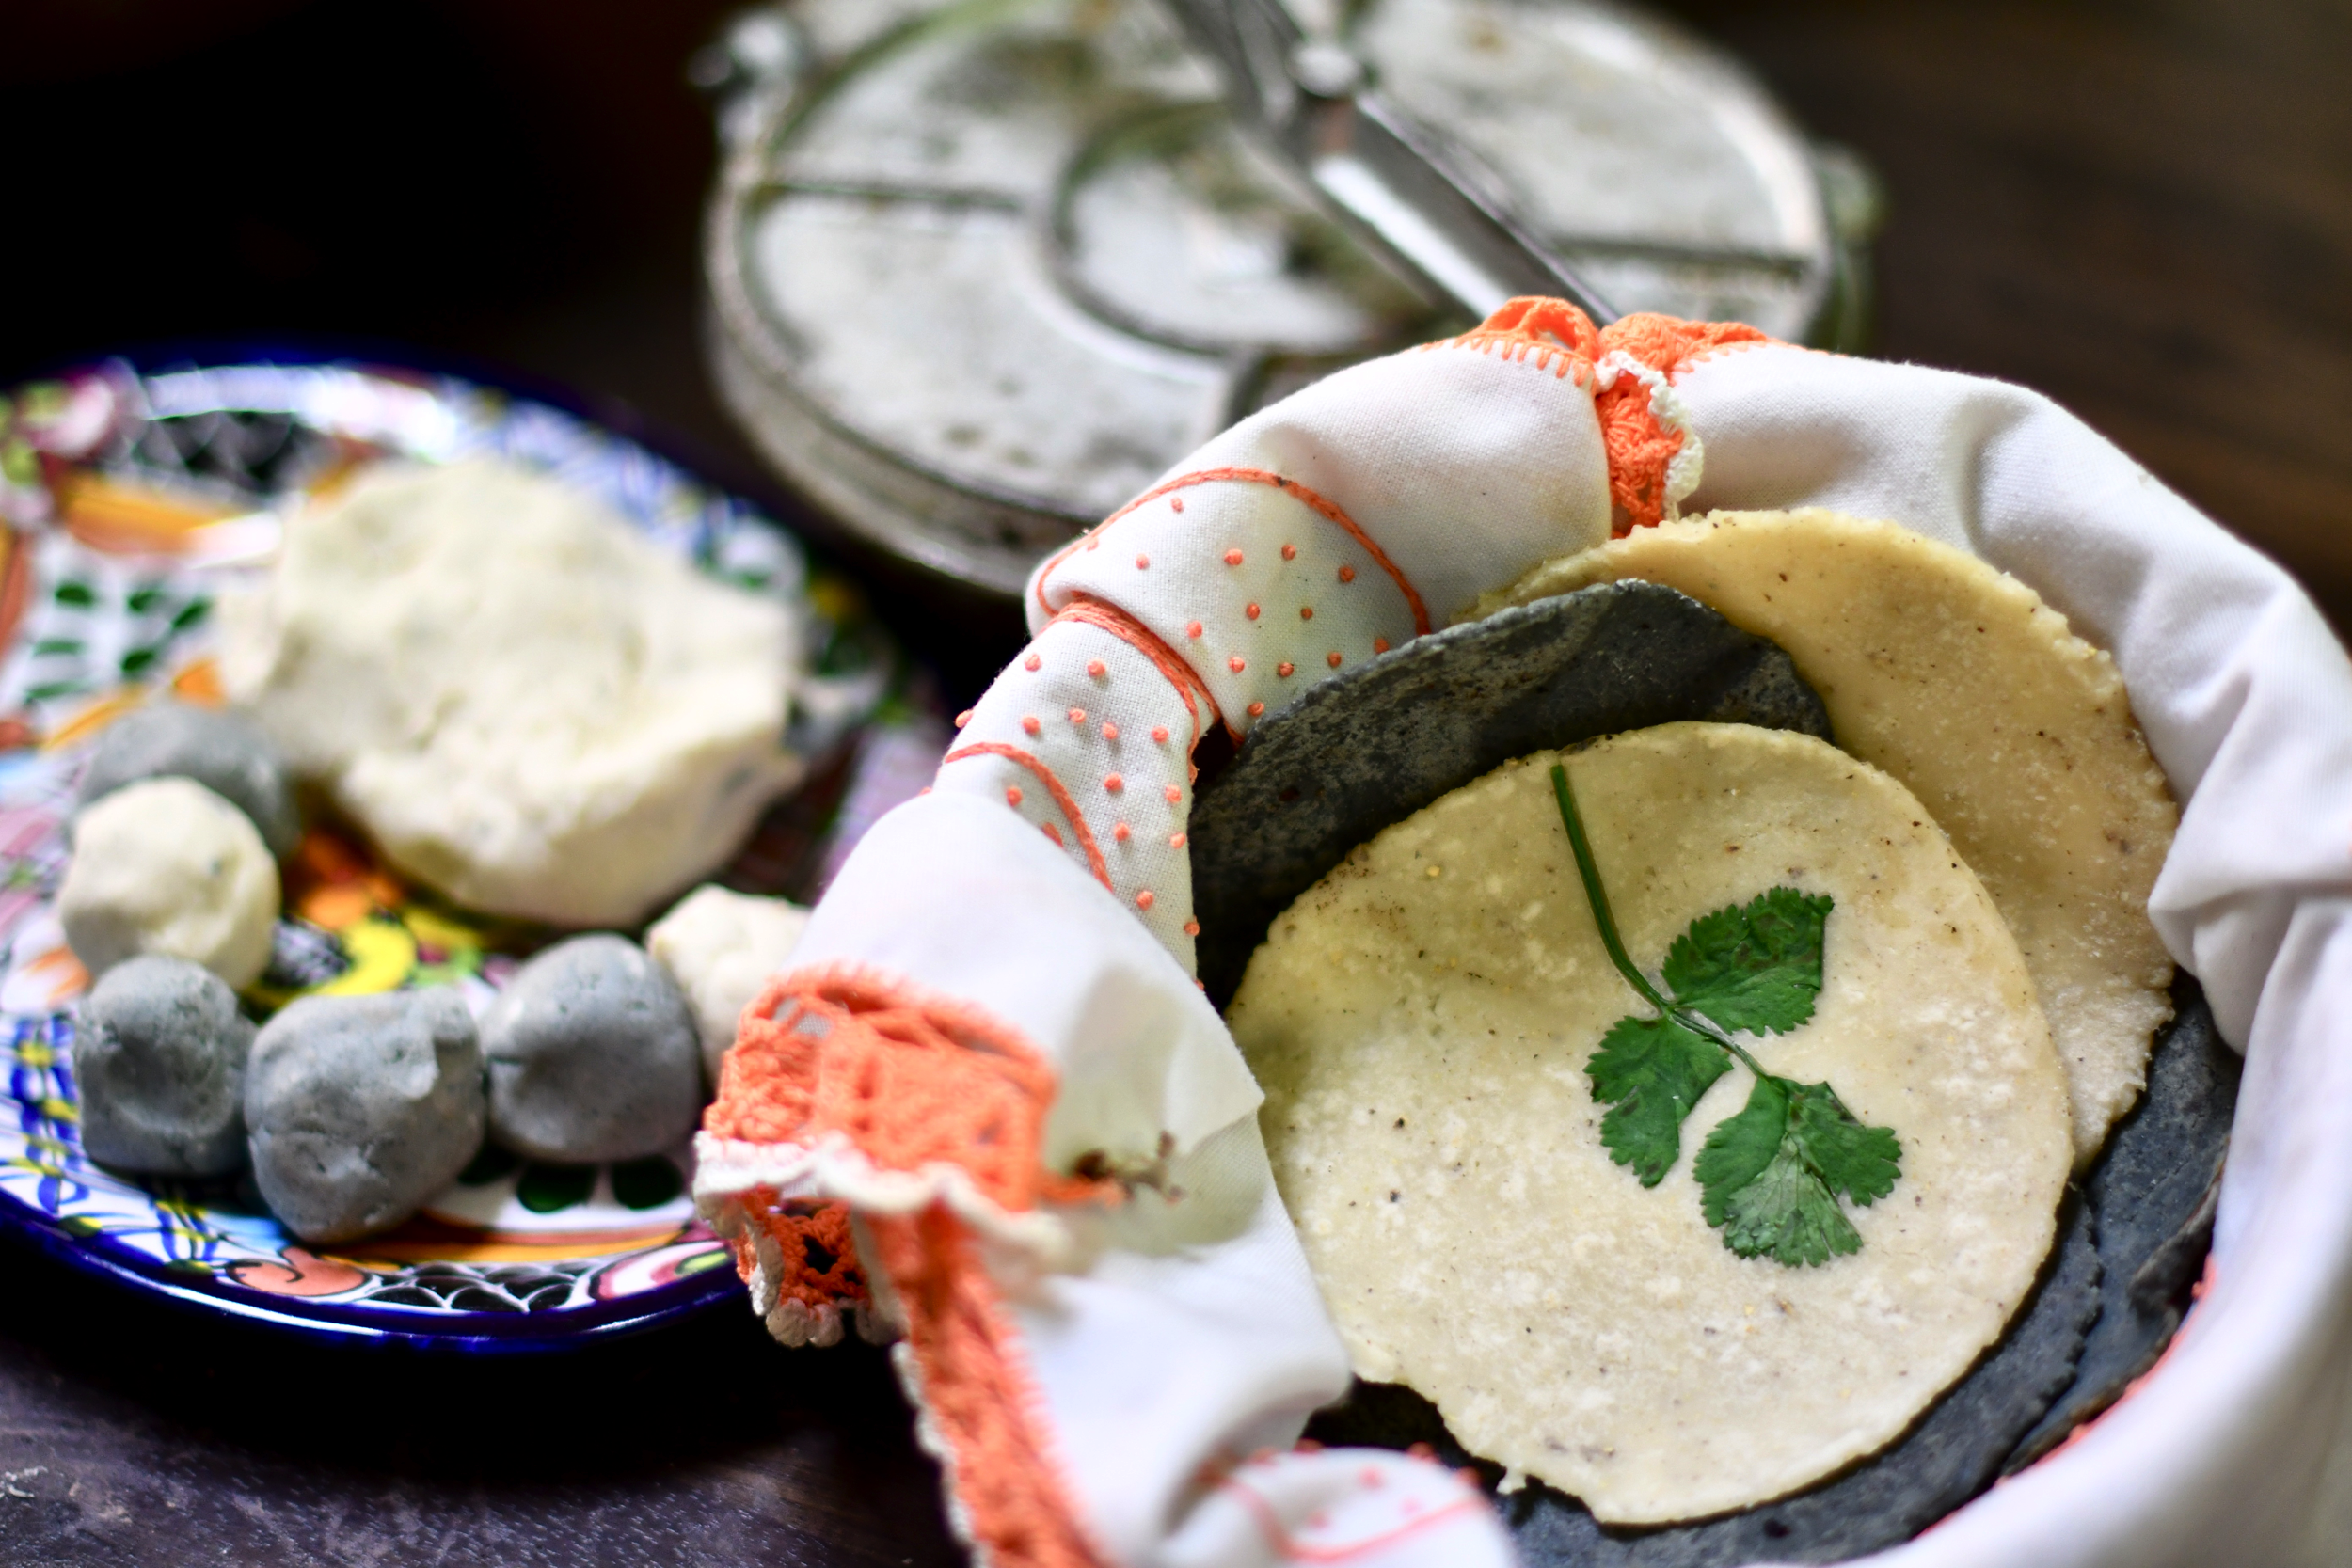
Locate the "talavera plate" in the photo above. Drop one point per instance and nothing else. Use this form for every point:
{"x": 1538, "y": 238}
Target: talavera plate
{"x": 131, "y": 500}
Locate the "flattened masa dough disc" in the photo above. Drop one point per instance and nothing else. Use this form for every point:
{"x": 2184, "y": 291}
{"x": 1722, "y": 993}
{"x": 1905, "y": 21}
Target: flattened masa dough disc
{"x": 1421, "y": 1021}
{"x": 2013, "y": 732}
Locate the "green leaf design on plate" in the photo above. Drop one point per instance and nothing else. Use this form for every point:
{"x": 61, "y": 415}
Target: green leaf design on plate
{"x": 545, "y": 1188}
{"x": 647, "y": 1184}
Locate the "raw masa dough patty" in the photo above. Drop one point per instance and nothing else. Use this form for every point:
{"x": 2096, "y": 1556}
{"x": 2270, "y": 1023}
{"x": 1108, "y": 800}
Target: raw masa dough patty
{"x": 2013, "y": 732}
{"x": 525, "y": 702}
{"x": 1421, "y": 1021}
{"x": 165, "y": 865}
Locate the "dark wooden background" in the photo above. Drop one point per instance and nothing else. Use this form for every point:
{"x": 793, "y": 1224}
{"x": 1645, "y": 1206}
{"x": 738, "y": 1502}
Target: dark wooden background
{"x": 2142, "y": 207}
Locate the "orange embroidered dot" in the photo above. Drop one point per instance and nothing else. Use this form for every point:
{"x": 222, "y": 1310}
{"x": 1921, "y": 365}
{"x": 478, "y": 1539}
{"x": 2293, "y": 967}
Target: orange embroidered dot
{"x": 1284, "y": 669}
{"x": 1159, "y": 733}
{"x": 1142, "y": 562}
{"x": 1173, "y": 793}
{"x": 1077, "y": 715}
{"x": 1144, "y": 899}
{"x": 1237, "y": 664}
{"x": 1256, "y": 708}
{"x": 1379, "y": 644}
{"x": 1306, "y": 613}
{"x": 1176, "y": 841}
{"x": 963, "y": 719}
{"x": 1192, "y": 629}
{"x": 1252, "y": 611}
{"x": 1053, "y": 832}
{"x": 1096, "y": 668}
{"x": 1012, "y": 795}
{"x": 1029, "y": 725}
{"x": 1114, "y": 783}
{"x": 1332, "y": 658}
{"x": 1031, "y": 662}
{"x": 1290, "y": 553}
{"x": 1347, "y": 574}
{"x": 1110, "y": 731}
{"x": 1192, "y": 928}
{"x": 1121, "y": 832}
{"x": 1232, "y": 557}
{"x": 1176, "y": 503}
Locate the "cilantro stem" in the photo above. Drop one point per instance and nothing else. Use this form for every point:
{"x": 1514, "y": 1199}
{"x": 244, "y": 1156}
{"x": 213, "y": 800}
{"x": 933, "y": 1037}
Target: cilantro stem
{"x": 1597, "y": 894}
{"x": 1588, "y": 870}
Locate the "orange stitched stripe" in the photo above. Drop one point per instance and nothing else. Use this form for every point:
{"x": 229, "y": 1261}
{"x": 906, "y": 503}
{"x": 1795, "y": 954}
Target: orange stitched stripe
{"x": 1091, "y": 611}
{"x": 1053, "y": 786}
{"x": 1257, "y": 476}
{"x": 977, "y": 1394}
{"x": 1270, "y": 1526}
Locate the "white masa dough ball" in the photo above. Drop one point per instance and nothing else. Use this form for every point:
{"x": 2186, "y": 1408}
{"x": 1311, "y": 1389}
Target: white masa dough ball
{"x": 167, "y": 866}
{"x": 721, "y": 947}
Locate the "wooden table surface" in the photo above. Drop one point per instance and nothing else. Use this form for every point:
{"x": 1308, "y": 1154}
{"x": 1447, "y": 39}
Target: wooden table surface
{"x": 2142, "y": 207}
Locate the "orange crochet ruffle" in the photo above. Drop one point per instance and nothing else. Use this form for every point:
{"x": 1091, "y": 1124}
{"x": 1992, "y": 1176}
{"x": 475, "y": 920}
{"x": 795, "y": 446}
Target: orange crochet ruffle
{"x": 1556, "y": 335}
{"x": 912, "y": 1080}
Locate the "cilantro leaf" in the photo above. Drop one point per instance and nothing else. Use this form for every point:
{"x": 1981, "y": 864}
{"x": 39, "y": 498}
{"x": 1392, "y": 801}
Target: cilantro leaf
{"x": 1650, "y": 1071}
{"x": 1787, "y": 1214}
{"x": 1771, "y": 1174}
{"x": 1857, "y": 1161}
{"x": 1757, "y": 968}
{"x": 1742, "y": 1146}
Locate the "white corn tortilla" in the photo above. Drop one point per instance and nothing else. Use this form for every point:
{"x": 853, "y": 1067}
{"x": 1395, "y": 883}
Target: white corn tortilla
{"x": 2013, "y": 732}
{"x": 1421, "y": 1021}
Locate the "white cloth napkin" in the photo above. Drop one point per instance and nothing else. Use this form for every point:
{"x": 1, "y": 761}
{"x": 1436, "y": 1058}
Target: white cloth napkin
{"x": 1163, "y": 1343}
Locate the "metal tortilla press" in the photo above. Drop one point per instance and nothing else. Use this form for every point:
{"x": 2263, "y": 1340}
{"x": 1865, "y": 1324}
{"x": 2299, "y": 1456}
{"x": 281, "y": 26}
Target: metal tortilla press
{"x": 981, "y": 270}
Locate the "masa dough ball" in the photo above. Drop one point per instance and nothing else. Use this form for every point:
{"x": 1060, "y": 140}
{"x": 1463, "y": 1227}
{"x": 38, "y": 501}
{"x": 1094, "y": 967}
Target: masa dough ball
{"x": 525, "y": 702}
{"x": 721, "y": 947}
{"x": 1422, "y": 1018}
{"x": 167, "y": 866}
{"x": 2013, "y": 732}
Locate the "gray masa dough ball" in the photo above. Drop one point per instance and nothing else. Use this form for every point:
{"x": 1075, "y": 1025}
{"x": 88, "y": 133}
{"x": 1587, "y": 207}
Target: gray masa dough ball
{"x": 159, "y": 1059}
{"x": 227, "y": 754}
{"x": 361, "y": 1107}
{"x": 594, "y": 1055}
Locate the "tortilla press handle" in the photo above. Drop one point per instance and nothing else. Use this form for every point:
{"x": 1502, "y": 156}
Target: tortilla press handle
{"x": 1385, "y": 179}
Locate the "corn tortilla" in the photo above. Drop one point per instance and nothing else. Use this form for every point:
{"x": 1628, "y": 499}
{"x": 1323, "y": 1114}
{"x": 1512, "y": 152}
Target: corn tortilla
{"x": 1421, "y": 1021}
{"x": 2013, "y": 732}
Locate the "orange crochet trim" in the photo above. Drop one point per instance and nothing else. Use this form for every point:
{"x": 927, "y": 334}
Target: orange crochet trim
{"x": 979, "y": 1396}
{"x": 1315, "y": 499}
{"x": 1639, "y": 447}
{"x": 1551, "y": 333}
{"x": 909, "y": 1079}
{"x": 1110, "y": 618}
{"x": 820, "y": 1266}
{"x": 1053, "y": 787}
{"x": 913, "y": 1080}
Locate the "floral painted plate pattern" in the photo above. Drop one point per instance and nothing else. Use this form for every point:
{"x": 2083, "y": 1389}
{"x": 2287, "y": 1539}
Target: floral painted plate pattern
{"x": 130, "y": 502}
